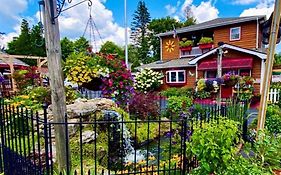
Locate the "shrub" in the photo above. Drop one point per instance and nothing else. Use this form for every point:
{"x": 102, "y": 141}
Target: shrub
{"x": 273, "y": 119}
{"x": 26, "y": 76}
{"x": 144, "y": 105}
{"x": 213, "y": 144}
{"x": 188, "y": 92}
{"x": 179, "y": 104}
{"x": 148, "y": 80}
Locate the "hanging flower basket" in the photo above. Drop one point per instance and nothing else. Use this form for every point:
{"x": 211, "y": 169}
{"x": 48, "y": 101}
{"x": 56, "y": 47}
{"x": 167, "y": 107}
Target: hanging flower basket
{"x": 231, "y": 83}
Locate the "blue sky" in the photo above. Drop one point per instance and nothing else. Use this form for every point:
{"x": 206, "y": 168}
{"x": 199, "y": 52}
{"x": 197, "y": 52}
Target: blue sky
{"x": 109, "y": 14}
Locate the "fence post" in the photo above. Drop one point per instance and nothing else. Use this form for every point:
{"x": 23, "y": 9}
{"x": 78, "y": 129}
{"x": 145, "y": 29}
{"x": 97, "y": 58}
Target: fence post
{"x": 45, "y": 106}
{"x": 184, "y": 159}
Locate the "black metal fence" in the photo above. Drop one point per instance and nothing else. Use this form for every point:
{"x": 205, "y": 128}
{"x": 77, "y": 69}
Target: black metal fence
{"x": 104, "y": 143}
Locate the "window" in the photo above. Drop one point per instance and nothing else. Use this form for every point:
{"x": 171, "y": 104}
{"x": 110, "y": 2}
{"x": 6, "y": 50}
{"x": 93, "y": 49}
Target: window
{"x": 210, "y": 74}
{"x": 235, "y": 33}
{"x": 176, "y": 76}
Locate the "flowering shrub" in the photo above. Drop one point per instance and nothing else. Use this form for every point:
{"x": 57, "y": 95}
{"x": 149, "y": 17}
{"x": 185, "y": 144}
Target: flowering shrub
{"x": 26, "y": 76}
{"x": 148, "y": 80}
{"x": 144, "y": 105}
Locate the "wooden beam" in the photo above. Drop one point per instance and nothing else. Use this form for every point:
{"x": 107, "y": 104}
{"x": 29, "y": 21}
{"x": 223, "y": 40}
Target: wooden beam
{"x": 21, "y": 56}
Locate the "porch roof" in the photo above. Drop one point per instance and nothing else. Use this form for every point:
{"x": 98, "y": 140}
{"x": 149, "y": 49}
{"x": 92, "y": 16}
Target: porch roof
{"x": 16, "y": 62}
{"x": 227, "y": 63}
{"x": 259, "y": 54}
{"x": 183, "y": 62}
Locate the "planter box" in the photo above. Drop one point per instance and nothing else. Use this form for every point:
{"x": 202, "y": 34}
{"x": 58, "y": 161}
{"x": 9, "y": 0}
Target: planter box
{"x": 206, "y": 46}
{"x": 187, "y": 48}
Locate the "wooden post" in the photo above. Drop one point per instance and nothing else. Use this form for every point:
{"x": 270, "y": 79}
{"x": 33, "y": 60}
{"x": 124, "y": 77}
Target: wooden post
{"x": 53, "y": 48}
{"x": 269, "y": 64}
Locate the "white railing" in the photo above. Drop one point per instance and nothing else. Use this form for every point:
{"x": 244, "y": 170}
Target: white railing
{"x": 196, "y": 51}
{"x": 273, "y": 95}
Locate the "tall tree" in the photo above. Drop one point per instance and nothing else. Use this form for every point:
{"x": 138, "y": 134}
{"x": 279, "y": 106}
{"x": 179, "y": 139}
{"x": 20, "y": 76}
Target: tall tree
{"x": 81, "y": 45}
{"x": 29, "y": 42}
{"x": 140, "y": 32}
{"x": 110, "y": 47}
{"x": 161, "y": 25}
{"x": 67, "y": 47}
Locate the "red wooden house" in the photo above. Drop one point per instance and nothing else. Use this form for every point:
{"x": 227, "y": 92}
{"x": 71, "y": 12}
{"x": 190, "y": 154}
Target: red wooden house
{"x": 244, "y": 53}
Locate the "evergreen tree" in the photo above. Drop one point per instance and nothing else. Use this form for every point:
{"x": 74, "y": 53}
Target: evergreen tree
{"x": 140, "y": 32}
{"x": 67, "y": 47}
{"x": 110, "y": 47}
{"x": 29, "y": 42}
{"x": 81, "y": 45}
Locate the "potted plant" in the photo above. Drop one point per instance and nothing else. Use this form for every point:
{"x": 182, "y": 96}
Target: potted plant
{"x": 185, "y": 44}
{"x": 206, "y": 43}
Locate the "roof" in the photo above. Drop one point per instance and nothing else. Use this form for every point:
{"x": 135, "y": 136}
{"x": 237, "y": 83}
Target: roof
{"x": 218, "y": 22}
{"x": 183, "y": 62}
{"x": 259, "y": 54}
{"x": 16, "y": 62}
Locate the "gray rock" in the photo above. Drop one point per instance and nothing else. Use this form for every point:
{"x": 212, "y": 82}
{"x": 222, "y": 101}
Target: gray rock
{"x": 88, "y": 136}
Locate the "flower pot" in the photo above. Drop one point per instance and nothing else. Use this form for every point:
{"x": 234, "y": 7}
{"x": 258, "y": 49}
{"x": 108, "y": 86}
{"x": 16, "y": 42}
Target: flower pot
{"x": 186, "y": 48}
{"x": 206, "y": 46}
{"x": 277, "y": 172}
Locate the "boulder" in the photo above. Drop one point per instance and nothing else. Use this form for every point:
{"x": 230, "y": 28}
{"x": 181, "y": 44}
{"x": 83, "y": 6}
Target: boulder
{"x": 88, "y": 136}
{"x": 85, "y": 107}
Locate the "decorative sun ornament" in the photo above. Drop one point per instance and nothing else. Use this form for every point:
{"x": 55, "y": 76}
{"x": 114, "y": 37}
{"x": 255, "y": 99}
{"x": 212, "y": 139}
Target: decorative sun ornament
{"x": 170, "y": 46}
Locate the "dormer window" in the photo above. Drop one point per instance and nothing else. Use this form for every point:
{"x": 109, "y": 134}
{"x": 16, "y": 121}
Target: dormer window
{"x": 235, "y": 33}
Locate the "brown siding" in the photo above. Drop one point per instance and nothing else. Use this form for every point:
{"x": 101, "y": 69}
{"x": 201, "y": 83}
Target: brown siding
{"x": 190, "y": 80}
{"x": 247, "y": 39}
{"x": 256, "y": 73}
{"x": 170, "y": 55}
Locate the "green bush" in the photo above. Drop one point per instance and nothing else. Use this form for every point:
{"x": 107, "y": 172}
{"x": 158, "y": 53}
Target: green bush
{"x": 185, "y": 43}
{"x": 273, "y": 119}
{"x": 214, "y": 145}
{"x": 267, "y": 150}
{"x": 177, "y": 104}
{"x": 188, "y": 92}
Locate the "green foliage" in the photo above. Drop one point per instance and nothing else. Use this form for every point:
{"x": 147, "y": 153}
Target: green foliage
{"x": 206, "y": 40}
{"x": 277, "y": 59}
{"x": 202, "y": 94}
{"x": 178, "y": 104}
{"x": 213, "y": 144}
{"x": 81, "y": 45}
{"x": 29, "y": 42}
{"x": 188, "y": 92}
{"x": 273, "y": 119}
{"x": 267, "y": 150}
{"x": 243, "y": 166}
{"x": 67, "y": 47}
{"x": 275, "y": 85}
{"x": 185, "y": 43}
{"x": 141, "y": 18}
{"x": 71, "y": 95}
{"x": 110, "y": 47}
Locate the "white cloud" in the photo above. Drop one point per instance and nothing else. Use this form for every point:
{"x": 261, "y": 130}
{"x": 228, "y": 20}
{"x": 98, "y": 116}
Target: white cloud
{"x": 265, "y": 7}
{"x": 170, "y": 9}
{"x": 73, "y": 23}
{"x": 203, "y": 12}
{"x": 244, "y": 2}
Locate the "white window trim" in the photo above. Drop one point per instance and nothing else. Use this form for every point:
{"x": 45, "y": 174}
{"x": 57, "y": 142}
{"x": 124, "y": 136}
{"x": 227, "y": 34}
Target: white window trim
{"x": 168, "y": 73}
{"x": 230, "y": 31}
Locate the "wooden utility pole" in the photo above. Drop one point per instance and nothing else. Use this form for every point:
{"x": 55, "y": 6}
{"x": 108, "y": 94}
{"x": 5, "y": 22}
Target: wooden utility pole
{"x": 269, "y": 64}
{"x": 53, "y": 48}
